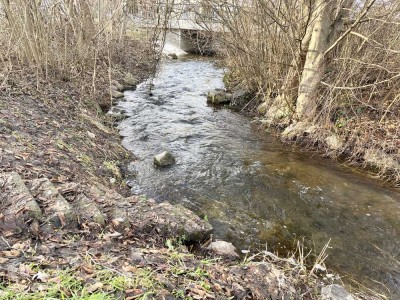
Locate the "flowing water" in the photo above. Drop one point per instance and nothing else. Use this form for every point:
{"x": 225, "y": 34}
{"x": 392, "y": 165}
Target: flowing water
{"x": 255, "y": 191}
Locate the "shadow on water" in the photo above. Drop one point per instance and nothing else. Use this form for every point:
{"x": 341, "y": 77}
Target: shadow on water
{"x": 254, "y": 190}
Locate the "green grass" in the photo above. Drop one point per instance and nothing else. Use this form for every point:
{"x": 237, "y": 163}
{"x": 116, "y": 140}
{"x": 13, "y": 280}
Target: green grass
{"x": 113, "y": 167}
{"x": 103, "y": 284}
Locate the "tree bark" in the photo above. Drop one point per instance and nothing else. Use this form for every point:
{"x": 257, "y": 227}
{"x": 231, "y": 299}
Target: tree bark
{"x": 314, "y": 66}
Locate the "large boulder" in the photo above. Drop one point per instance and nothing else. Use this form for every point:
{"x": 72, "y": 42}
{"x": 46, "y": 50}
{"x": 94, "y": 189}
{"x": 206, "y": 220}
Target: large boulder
{"x": 169, "y": 221}
{"x": 164, "y": 159}
{"x": 57, "y": 209}
{"x": 222, "y": 248}
{"x": 218, "y": 97}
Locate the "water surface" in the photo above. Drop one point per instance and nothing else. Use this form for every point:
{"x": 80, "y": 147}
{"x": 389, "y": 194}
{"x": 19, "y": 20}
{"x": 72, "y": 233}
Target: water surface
{"x": 255, "y": 191}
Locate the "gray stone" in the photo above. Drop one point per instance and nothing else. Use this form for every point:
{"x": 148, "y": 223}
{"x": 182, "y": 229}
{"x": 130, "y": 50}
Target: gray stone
{"x": 222, "y": 248}
{"x": 116, "y": 94}
{"x": 240, "y": 97}
{"x": 334, "y": 142}
{"x": 129, "y": 81}
{"x": 88, "y": 210}
{"x": 137, "y": 257}
{"x": 241, "y": 93}
{"x": 173, "y": 55}
{"x": 335, "y": 292}
{"x": 263, "y": 108}
{"x": 115, "y": 85}
{"x": 58, "y": 211}
{"x": 378, "y": 158}
{"x": 114, "y": 203}
{"x": 17, "y": 204}
{"x": 218, "y": 97}
{"x": 169, "y": 221}
{"x": 164, "y": 159}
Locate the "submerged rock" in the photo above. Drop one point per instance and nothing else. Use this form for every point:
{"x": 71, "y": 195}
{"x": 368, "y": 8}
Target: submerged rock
{"x": 173, "y": 56}
{"x": 164, "y": 159}
{"x": 335, "y": 292}
{"x": 169, "y": 221}
{"x": 218, "y": 97}
{"x": 222, "y": 248}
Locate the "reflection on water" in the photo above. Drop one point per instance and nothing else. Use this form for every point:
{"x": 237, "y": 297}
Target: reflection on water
{"x": 254, "y": 190}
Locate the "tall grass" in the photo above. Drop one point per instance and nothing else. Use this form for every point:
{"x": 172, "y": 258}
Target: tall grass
{"x": 265, "y": 46}
{"x": 63, "y": 36}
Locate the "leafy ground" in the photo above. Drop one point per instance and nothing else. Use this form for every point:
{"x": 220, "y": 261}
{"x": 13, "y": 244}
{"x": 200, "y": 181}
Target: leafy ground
{"x": 139, "y": 267}
{"x": 57, "y": 129}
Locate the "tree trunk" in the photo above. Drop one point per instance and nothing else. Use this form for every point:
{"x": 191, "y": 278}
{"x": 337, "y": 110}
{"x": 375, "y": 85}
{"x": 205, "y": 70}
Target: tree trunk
{"x": 314, "y": 66}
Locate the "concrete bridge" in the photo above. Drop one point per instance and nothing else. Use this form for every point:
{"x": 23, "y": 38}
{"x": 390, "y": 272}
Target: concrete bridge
{"x": 190, "y": 25}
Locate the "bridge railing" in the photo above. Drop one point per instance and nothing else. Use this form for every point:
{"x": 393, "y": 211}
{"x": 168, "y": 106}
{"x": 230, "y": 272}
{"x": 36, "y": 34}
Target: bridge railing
{"x": 186, "y": 11}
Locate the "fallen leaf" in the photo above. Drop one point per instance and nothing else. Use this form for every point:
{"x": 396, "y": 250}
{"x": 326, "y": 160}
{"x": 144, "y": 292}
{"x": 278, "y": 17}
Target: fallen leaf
{"x": 129, "y": 268}
{"x": 94, "y": 287}
{"x": 41, "y": 276}
{"x": 11, "y": 253}
{"x": 87, "y": 269}
{"x": 3, "y": 260}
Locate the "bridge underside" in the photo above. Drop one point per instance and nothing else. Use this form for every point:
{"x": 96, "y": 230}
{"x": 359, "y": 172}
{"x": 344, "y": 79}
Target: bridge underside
{"x": 192, "y": 41}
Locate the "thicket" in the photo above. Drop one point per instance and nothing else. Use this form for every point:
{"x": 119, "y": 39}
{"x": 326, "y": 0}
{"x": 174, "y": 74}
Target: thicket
{"x": 328, "y": 72}
{"x": 87, "y": 42}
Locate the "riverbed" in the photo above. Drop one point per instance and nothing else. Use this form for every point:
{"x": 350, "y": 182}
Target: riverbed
{"x": 255, "y": 191}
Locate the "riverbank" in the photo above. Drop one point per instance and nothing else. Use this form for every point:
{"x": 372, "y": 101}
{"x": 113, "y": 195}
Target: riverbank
{"x": 58, "y": 146}
{"x": 350, "y": 143}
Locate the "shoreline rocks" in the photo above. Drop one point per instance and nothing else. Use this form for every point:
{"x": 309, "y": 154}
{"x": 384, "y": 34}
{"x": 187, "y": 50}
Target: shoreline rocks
{"x": 169, "y": 220}
{"x": 218, "y": 97}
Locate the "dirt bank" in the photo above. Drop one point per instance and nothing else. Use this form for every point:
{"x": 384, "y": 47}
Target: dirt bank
{"x": 58, "y": 129}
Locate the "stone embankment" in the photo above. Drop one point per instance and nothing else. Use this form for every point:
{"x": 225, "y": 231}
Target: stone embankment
{"x": 36, "y": 206}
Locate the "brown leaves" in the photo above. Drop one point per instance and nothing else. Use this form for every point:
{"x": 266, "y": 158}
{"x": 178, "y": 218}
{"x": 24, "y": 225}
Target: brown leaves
{"x": 198, "y": 292}
{"x": 133, "y": 294}
{"x": 94, "y": 287}
{"x": 88, "y": 269}
{"x": 11, "y": 253}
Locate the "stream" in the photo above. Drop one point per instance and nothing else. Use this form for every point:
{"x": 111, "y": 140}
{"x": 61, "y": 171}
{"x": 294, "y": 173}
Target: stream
{"x": 255, "y": 191}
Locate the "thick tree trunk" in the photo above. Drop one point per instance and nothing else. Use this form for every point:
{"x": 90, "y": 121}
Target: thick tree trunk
{"x": 314, "y": 65}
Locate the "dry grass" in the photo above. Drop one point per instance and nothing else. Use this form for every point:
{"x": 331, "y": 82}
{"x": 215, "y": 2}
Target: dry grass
{"x": 86, "y": 42}
{"x": 358, "y": 99}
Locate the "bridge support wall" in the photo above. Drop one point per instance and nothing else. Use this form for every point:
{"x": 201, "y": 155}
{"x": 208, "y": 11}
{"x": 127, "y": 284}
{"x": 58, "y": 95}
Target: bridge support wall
{"x": 176, "y": 38}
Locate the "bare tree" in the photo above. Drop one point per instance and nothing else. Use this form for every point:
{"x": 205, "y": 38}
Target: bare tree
{"x": 324, "y": 67}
